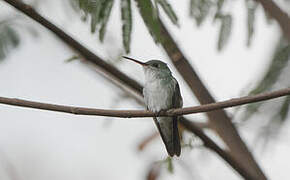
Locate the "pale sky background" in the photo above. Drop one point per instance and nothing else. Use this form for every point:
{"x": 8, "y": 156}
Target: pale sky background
{"x": 42, "y": 145}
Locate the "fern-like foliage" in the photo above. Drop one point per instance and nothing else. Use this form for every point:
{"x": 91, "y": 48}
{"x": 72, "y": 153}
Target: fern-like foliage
{"x": 276, "y": 71}
{"x": 279, "y": 62}
{"x": 225, "y": 30}
{"x": 99, "y": 12}
{"x": 251, "y": 7}
{"x": 199, "y": 10}
{"x": 126, "y": 23}
{"x": 168, "y": 10}
{"x": 203, "y": 9}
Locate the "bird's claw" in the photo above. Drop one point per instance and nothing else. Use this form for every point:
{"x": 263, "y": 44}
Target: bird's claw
{"x": 162, "y": 111}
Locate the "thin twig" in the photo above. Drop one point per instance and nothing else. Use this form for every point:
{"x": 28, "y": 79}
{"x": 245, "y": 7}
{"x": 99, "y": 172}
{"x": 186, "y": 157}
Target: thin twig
{"x": 142, "y": 113}
{"x": 88, "y": 55}
{"x": 147, "y": 140}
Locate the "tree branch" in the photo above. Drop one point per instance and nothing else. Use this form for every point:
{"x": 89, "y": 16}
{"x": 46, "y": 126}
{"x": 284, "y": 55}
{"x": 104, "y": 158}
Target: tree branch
{"x": 211, "y": 145}
{"x": 218, "y": 120}
{"x": 76, "y": 46}
{"x": 141, "y": 113}
{"x": 281, "y": 17}
{"x": 89, "y": 56}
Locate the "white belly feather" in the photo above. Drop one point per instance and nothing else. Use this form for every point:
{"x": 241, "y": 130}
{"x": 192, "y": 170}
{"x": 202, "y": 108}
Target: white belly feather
{"x": 158, "y": 96}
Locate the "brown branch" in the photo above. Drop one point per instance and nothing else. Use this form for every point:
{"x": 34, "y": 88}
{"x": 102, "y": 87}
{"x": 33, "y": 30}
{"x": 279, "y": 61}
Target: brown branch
{"x": 147, "y": 140}
{"x": 88, "y": 55}
{"x": 75, "y": 45}
{"x": 142, "y": 113}
{"x": 218, "y": 120}
{"x": 281, "y": 17}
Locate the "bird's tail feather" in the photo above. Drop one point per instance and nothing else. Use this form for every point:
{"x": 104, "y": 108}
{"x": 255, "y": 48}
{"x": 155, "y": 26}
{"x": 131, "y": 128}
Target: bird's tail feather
{"x": 168, "y": 129}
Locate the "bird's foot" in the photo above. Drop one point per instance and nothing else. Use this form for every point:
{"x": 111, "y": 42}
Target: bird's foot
{"x": 162, "y": 111}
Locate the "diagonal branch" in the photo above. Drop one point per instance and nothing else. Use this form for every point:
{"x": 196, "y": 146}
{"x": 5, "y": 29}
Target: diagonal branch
{"x": 218, "y": 120}
{"x": 281, "y": 17}
{"x": 89, "y": 56}
{"x": 76, "y": 46}
{"x": 211, "y": 145}
{"x": 141, "y": 113}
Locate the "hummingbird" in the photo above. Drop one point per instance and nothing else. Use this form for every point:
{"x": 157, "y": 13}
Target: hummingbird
{"x": 161, "y": 92}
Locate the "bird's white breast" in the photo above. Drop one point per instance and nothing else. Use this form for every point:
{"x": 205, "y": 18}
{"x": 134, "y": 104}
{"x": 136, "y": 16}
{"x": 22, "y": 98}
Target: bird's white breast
{"x": 158, "y": 94}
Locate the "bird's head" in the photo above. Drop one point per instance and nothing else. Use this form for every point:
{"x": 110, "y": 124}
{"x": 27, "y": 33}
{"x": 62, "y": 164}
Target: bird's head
{"x": 153, "y": 68}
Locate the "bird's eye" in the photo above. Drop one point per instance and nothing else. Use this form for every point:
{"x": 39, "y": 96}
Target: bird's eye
{"x": 155, "y": 65}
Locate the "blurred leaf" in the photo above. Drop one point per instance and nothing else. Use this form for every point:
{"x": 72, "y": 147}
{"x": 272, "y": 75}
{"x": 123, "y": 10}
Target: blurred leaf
{"x": 13, "y": 36}
{"x": 75, "y": 5}
{"x": 168, "y": 10}
{"x": 272, "y": 129}
{"x": 283, "y": 113}
{"x": 75, "y": 57}
{"x": 267, "y": 133}
{"x": 279, "y": 61}
{"x": 169, "y": 164}
{"x": 199, "y": 9}
{"x": 94, "y": 8}
{"x": 127, "y": 23}
{"x": 219, "y": 5}
{"x": 251, "y": 10}
{"x": 9, "y": 39}
{"x": 30, "y": 29}
{"x": 99, "y": 11}
{"x": 155, "y": 10}
{"x": 225, "y": 30}
{"x": 105, "y": 14}
{"x": 148, "y": 13}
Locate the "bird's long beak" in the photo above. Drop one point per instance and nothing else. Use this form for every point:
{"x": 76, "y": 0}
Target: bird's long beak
{"x": 134, "y": 60}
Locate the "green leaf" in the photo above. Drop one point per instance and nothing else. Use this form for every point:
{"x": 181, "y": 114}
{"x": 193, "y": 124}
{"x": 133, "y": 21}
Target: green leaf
{"x": 105, "y": 14}
{"x": 273, "y": 128}
{"x": 168, "y": 10}
{"x": 12, "y": 37}
{"x": 2, "y": 49}
{"x": 251, "y": 11}
{"x": 279, "y": 61}
{"x": 199, "y": 9}
{"x": 284, "y": 109}
{"x": 99, "y": 11}
{"x": 219, "y": 6}
{"x": 83, "y": 4}
{"x": 126, "y": 23}
{"x": 9, "y": 39}
{"x": 225, "y": 30}
{"x": 75, "y": 57}
{"x": 169, "y": 165}
{"x": 147, "y": 11}
{"x": 94, "y": 8}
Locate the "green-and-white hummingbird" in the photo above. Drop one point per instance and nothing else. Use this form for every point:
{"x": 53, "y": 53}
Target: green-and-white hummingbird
{"x": 161, "y": 92}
